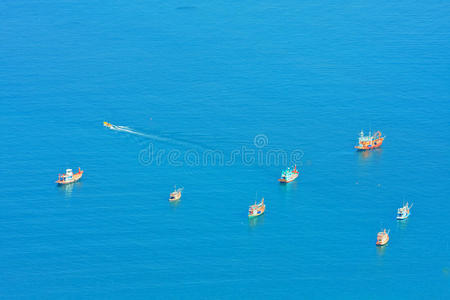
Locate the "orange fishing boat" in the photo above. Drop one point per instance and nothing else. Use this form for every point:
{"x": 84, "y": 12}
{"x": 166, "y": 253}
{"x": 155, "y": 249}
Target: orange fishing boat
{"x": 175, "y": 195}
{"x": 382, "y": 238}
{"x": 368, "y": 142}
{"x": 256, "y": 209}
{"x": 106, "y": 124}
{"x": 403, "y": 212}
{"x": 69, "y": 177}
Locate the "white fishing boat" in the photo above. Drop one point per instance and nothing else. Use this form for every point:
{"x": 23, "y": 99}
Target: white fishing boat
{"x": 404, "y": 212}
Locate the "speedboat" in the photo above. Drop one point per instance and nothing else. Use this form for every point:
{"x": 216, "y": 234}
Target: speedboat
{"x": 288, "y": 175}
{"x": 106, "y": 124}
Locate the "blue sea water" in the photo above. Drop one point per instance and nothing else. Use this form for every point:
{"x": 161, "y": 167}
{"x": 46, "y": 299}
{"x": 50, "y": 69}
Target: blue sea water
{"x": 305, "y": 76}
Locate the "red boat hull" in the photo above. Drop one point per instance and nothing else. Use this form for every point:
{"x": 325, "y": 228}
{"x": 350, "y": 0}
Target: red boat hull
{"x": 382, "y": 243}
{"x": 376, "y": 143}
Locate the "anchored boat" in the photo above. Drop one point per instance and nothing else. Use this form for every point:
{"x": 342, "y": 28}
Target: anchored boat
{"x": 403, "y": 212}
{"x": 288, "y": 175}
{"x": 176, "y": 194}
{"x": 69, "y": 177}
{"x": 256, "y": 209}
{"x": 368, "y": 142}
{"x": 382, "y": 237}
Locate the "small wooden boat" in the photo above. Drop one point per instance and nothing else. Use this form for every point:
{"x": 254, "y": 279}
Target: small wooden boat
{"x": 69, "y": 177}
{"x": 369, "y": 142}
{"x": 176, "y": 194}
{"x": 403, "y": 212}
{"x": 256, "y": 209}
{"x": 382, "y": 237}
{"x": 288, "y": 175}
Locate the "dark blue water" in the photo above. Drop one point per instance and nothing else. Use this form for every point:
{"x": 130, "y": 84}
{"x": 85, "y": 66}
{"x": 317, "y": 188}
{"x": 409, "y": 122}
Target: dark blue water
{"x": 200, "y": 76}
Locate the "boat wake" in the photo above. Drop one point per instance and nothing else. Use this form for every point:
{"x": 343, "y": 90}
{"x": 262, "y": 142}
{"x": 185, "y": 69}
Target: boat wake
{"x": 153, "y": 137}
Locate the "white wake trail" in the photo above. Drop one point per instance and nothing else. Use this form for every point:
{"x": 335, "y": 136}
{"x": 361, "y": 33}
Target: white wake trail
{"x": 154, "y": 137}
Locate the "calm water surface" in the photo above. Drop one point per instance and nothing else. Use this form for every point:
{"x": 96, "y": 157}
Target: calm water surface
{"x": 199, "y": 75}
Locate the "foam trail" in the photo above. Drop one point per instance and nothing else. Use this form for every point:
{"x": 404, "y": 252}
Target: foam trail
{"x": 154, "y": 137}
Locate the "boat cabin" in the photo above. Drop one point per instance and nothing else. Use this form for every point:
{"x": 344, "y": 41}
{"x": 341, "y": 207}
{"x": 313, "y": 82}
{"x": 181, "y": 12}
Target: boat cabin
{"x": 69, "y": 174}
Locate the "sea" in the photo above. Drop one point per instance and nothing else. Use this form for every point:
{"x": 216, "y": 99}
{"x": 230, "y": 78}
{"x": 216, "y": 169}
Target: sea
{"x": 218, "y": 97}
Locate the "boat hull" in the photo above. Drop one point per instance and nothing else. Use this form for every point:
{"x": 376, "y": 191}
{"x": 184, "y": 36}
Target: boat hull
{"x": 76, "y": 177}
{"x": 256, "y": 210}
{"x": 402, "y": 217}
{"x": 176, "y": 198}
{"x": 254, "y": 216}
{"x": 383, "y": 242}
{"x": 377, "y": 143}
{"x": 282, "y": 180}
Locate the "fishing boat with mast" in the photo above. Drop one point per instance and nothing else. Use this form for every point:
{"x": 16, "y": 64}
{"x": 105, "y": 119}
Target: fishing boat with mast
{"x": 383, "y": 237}
{"x": 69, "y": 177}
{"x": 403, "y": 212}
{"x": 368, "y": 142}
{"x": 256, "y": 209}
{"x": 176, "y": 194}
{"x": 289, "y": 175}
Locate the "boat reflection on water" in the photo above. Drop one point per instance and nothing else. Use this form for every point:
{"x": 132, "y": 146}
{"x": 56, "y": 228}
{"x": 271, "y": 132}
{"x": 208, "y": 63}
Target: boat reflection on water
{"x": 289, "y": 187}
{"x": 254, "y": 222}
{"x": 381, "y": 250}
{"x": 402, "y": 224}
{"x": 67, "y": 189}
{"x": 368, "y": 156}
{"x": 174, "y": 204}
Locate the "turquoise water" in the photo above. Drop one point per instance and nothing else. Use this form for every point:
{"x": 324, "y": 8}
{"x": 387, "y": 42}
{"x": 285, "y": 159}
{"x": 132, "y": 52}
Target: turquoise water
{"x": 192, "y": 76}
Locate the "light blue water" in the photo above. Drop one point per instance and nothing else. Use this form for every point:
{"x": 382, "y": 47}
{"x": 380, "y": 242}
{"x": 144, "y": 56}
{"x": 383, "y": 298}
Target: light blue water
{"x": 212, "y": 75}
